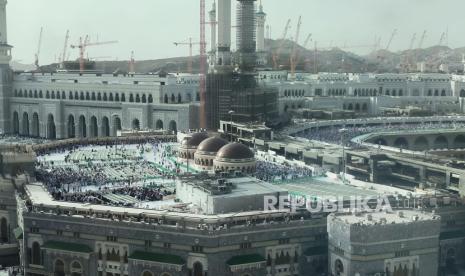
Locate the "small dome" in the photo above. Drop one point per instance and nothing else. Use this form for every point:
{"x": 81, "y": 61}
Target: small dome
{"x": 212, "y": 144}
{"x": 235, "y": 151}
{"x": 195, "y": 139}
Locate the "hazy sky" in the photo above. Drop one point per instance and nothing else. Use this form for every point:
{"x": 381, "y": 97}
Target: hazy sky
{"x": 149, "y": 27}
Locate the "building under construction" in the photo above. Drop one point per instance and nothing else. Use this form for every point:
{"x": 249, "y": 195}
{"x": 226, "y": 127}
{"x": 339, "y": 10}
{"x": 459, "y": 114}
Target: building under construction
{"x": 232, "y": 89}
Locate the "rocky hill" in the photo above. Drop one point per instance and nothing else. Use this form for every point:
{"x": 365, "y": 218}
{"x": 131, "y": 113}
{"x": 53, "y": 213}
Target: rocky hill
{"x": 324, "y": 60}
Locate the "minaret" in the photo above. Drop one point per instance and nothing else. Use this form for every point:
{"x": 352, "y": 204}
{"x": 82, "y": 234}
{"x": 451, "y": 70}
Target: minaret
{"x": 261, "y": 19}
{"x": 5, "y": 72}
{"x": 5, "y": 49}
{"x": 213, "y": 23}
{"x": 224, "y": 33}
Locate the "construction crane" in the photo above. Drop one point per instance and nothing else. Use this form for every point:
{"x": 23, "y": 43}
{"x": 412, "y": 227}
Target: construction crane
{"x": 203, "y": 67}
{"x": 82, "y": 46}
{"x": 132, "y": 64}
{"x": 37, "y": 54}
{"x": 190, "y": 44}
{"x": 442, "y": 39}
{"x": 394, "y": 33}
{"x": 408, "y": 55}
{"x": 277, "y": 53}
{"x": 294, "y": 56}
{"x": 65, "y": 48}
{"x": 307, "y": 40}
{"x": 422, "y": 39}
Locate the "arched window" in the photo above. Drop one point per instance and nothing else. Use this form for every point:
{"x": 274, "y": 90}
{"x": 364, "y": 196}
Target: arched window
{"x": 41, "y": 94}
{"x": 123, "y": 97}
{"x": 36, "y": 255}
{"x": 198, "y": 269}
{"x": 166, "y": 99}
{"x": 47, "y": 95}
{"x": 76, "y": 269}
{"x": 105, "y": 96}
{"x": 117, "y": 97}
{"x": 87, "y": 96}
{"x": 131, "y": 98}
{"x": 339, "y": 267}
{"x": 110, "y": 98}
{"x": 59, "y": 268}
{"x": 443, "y": 93}
{"x": 137, "y": 98}
{"x": 179, "y": 98}
{"x": 150, "y": 99}
{"x": 173, "y": 98}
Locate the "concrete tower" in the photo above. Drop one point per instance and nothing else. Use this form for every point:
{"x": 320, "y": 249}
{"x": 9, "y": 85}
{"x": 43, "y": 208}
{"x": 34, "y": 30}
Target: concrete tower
{"x": 245, "y": 35}
{"x": 213, "y": 24}
{"x": 224, "y": 33}
{"x": 212, "y": 15}
{"x": 5, "y": 71}
{"x": 261, "y": 20}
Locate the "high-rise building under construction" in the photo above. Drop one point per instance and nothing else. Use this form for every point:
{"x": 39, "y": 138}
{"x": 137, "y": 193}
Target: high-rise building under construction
{"x": 233, "y": 91}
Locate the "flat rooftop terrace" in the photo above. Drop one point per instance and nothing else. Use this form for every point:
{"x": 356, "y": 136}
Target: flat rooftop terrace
{"x": 324, "y": 188}
{"x": 375, "y": 218}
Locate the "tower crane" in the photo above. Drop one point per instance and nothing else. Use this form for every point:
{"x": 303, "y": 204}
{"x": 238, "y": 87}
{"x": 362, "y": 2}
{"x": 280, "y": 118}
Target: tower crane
{"x": 394, "y": 33}
{"x": 276, "y": 54}
{"x": 190, "y": 44}
{"x": 307, "y": 40}
{"x": 408, "y": 55}
{"x": 442, "y": 39}
{"x": 82, "y": 46}
{"x": 294, "y": 56}
{"x": 422, "y": 39}
{"x": 65, "y": 47}
{"x": 132, "y": 64}
{"x": 37, "y": 54}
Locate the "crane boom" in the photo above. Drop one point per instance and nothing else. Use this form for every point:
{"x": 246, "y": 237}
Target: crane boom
{"x": 281, "y": 44}
{"x": 190, "y": 44}
{"x": 65, "y": 47}
{"x": 422, "y": 39}
{"x": 36, "y": 60}
{"x": 394, "y": 33}
{"x": 293, "y": 59}
{"x": 82, "y": 46}
{"x": 307, "y": 40}
{"x": 441, "y": 40}
{"x": 412, "y": 41}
